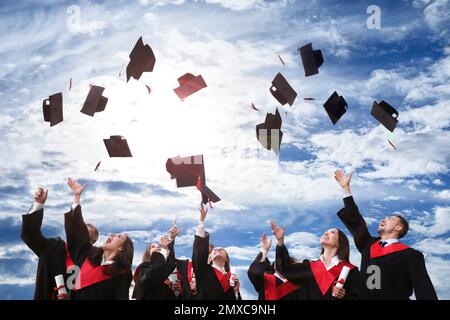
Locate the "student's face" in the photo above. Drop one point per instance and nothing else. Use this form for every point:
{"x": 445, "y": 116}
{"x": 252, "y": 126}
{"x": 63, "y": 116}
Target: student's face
{"x": 218, "y": 254}
{"x": 154, "y": 247}
{"x": 389, "y": 224}
{"x": 114, "y": 242}
{"x": 330, "y": 238}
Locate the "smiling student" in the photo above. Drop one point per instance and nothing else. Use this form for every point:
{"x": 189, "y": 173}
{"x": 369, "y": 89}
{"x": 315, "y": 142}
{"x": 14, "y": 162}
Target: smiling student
{"x": 318, "y": 278}
{"x": 212, "y": 269}
{"x": 398, "y": 270}
{"x": 105, "y": 272}
{"x": 50, "y": 251}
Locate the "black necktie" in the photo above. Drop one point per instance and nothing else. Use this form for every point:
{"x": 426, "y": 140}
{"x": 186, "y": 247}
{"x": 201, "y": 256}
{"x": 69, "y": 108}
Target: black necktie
{"x": 382, "y": 243}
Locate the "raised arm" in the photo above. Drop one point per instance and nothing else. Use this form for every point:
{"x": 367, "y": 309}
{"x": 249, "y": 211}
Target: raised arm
{"x": 76, "y": 231}
{"x": 294, "y": 272}
{"x": 32, "y": 222}
{"x": 159, "y": 268}
{"x": 260, "y": 265}
{"x": 200, "y": 250}
{"x": 173, "y": 233}
{"x": 350, "y": 215}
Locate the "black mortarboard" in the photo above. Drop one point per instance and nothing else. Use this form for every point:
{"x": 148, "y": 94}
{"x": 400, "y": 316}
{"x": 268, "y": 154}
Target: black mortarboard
{"x": 189, "y": 172}
{"x": 53, "y": 109}
{"x": 270, "y": 128}
{"x": 282, "y": 90}
{"x": 117, "y": 146}
{"x": 189, "y": 84}
{"x": 386, "y": 114}
{"x": 95, "y": 102}
{"x": 142, "y": 60}
{"x": 335, "y": 106}
{"x": 311, "y": 59}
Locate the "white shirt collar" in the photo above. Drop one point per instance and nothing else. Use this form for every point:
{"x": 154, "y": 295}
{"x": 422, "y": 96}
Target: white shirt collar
{"x": 221, "y": 269}
{"x": 390, "y": 241}
{"x": 106, "y": 262}
{"x": 334, "y": 262}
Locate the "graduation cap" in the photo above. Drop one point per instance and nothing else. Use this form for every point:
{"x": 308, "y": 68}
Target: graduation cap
{"x": 270, "y": 129}
{"x": 189, "y": 84}
{"x": 335, "y": 106}
{"x": 282, "y": 90}
{"x": 311, "y": 59}
{"x": 117, "y": 146}
{"x": 386, "y": 114}
{"x": 142, "y": 60}
{"x": 190, "y": 172}
{"x": 53, "y": 109}
{"x": 95, "y": 102}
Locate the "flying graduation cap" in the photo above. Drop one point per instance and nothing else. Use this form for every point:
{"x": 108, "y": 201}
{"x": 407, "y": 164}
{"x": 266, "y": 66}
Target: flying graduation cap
{"x": 385, "y": 114}
{"x": 269, "y": 132}
{"x": 117, "y": 146}
{"x": 311, "y": 59}
{"x": 95, "y": 102}
{"x": 53, "y": 109}
{"x": 282, "y": 90}
{"x": 335, "y": 106}
{"x": 142, "y": 59}
{"x": 190, "y": 172}
{"x": 189, "y": 84}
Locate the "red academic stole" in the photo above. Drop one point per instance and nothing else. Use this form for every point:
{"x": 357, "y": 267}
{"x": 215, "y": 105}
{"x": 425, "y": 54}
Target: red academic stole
{"x": 88, "y": 274}
{"x": 377, "y": 251}
{"x": 324, "y": 278}
{"x": 224, "y": 279}
{"x": 274, "y": 292}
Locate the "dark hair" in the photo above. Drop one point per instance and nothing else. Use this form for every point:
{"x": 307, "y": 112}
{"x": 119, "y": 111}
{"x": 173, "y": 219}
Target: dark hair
{"x": 404, "y": 224}
{"x": 343, "y": 251}
{"x": 122, "y": 261}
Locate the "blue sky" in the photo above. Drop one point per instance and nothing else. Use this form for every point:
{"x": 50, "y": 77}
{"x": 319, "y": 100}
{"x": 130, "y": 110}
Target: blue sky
{"x": 234, "y": 44}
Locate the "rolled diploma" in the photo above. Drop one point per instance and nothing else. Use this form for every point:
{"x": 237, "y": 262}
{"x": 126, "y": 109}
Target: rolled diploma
{"x": 342, "y": 277}
{"x": 59, "y": 279}
{"x": 233, "y": 272}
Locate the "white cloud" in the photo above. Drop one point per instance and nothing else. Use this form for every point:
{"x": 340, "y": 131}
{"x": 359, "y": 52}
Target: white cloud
{"x": 436, "y": 225}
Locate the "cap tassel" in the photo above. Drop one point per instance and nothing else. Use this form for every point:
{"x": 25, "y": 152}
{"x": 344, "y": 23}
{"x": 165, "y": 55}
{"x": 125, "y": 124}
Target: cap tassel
{"x": 199, "y": 185}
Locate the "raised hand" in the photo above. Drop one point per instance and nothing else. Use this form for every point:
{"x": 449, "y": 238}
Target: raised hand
{"x": 343, "y": 180}
{"x": 203, "y": 212}
{"x": 174, "y": 231}
{"x": 265, "y": 243}
{"x": 278, "y": 232}
{"x": 40, "y": 195}
{"x": 77, "y": 189}
{"x": 164, "y": 242}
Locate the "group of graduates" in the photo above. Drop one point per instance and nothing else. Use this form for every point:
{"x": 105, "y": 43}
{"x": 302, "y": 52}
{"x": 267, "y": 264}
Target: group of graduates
{"x": 389, "y": 269}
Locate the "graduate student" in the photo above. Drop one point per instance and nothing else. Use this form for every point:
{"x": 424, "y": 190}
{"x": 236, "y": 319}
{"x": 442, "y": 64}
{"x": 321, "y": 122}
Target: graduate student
{"x": 267, "y": 280}
{"x": 212, "y": 270}
{"x": 392, "y": 269}
{"x": 151, "y": 276}
{"x": 105, "y": 272}
{"x": 318, "y": 278}
{"x": 50, "y": 251}
{"x": 183, "y": 277}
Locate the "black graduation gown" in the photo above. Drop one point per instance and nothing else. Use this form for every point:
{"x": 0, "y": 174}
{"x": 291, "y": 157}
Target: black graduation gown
{"x": 50, "y": 251}
{"x": 302, "y": 275}
{"x": 78, "y": 243}
{"x": 256, "y": 273}
{"x": 208, "y": 285}
{"x": 402, "y": 272}
{"x": 182, "y": 267}
{"x": 150, "y": 277}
